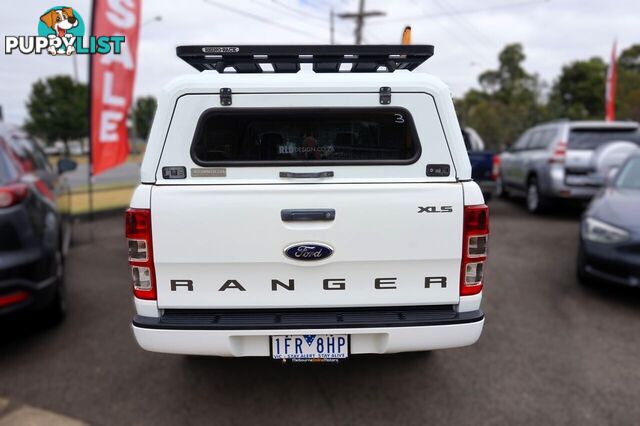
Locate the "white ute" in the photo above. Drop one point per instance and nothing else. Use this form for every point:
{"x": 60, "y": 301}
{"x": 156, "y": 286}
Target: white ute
{"x": 306, "y": 214}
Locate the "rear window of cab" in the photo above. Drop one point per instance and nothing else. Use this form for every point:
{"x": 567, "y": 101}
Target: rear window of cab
{"x": 305, "y": 136}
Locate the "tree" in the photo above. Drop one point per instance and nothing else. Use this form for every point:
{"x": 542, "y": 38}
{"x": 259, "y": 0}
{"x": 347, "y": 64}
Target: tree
{"x": 510, "y": 79}
{"x": 629, "y": 59}
{"x": 578, "y": 93}
{"x": 628, "y": 91}
{"x": 143, "y": 112}
{"x": 57, "y": 110}
{"x": 508, "y": 103}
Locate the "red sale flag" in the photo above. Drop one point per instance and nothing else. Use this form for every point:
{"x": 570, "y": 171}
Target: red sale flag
{"x": 111, "y": 82}
{"x": 610, "y": 91}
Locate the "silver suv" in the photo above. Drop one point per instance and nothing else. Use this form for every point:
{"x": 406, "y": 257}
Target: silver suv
{"x": 564, "y": 159}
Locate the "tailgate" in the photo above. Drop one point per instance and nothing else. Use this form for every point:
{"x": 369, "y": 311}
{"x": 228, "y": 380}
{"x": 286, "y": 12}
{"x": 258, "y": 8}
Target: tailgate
{"x": 223, "y": 246}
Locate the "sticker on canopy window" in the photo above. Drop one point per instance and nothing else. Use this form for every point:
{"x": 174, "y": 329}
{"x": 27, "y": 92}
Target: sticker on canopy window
{"x": 209, "y": 172}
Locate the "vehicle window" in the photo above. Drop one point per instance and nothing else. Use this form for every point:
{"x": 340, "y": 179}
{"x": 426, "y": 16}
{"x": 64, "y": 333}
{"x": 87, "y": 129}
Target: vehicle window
{"x": 38, "y": 155}
{"x": 592, "y": 138}
{"x": 8, "y": 172}
{"x": 522, "y": 142}
{"x": 534, "y": 140}
{"x": 543, "y": 139}
{"x": 551, "y": 137}
{"x": 287, "y": 136}
{"x": 23, "y": 152}
{"x": 467, "y": 140}
{"x": 629, "y": 176}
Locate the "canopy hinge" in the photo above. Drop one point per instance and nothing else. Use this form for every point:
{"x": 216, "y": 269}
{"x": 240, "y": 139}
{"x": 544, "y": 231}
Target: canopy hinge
{"x": 225, "y": 96}
{"x": 385, "y": 95}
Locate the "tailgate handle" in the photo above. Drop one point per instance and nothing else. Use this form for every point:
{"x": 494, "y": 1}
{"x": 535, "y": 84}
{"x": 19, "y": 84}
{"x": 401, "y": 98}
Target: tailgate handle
{"x": 305, "y": 215}
{"x": 306, "y": 175}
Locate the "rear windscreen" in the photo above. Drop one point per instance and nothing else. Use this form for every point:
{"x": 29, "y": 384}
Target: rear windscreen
{"x": 629, "y": 176}
{"x": 8, "y": 172}
{"x": 305, "y": 136}
{"x": 592, "y": 138}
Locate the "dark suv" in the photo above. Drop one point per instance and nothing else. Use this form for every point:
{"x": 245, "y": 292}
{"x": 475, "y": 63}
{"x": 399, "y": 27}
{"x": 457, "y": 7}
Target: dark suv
{"x": 34, "y": 228}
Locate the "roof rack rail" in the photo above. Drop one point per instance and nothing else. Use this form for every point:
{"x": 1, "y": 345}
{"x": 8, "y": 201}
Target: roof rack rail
{"x": 287, "y": 58}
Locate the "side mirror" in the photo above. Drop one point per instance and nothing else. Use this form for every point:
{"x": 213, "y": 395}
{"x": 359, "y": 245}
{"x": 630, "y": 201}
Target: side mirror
{"x": 611, "y": 176}
{"x": 66, "y": 165}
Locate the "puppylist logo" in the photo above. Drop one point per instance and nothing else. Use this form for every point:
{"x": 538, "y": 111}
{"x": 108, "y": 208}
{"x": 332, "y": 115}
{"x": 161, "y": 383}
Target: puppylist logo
{"x": 61, "y": 32}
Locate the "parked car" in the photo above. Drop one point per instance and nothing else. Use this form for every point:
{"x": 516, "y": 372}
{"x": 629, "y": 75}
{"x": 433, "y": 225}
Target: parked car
{"x": 609, "y": 247}
{"x": 564, "y": 159}
{"x": 309, "y": 215}
{"x": 484, "y": 164}
{"x": 34, "y": 228}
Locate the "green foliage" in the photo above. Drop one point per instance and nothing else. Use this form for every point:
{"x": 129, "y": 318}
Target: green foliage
{"x": 629, "y": 59}
{"x": 143, "y": 112}
{"x": 628, "y": 90}
{"x": 511, "y": 100}
{"x": 578, "y": 93}
{"x": 57, "y": 109}
{"x": 508, "y": 103}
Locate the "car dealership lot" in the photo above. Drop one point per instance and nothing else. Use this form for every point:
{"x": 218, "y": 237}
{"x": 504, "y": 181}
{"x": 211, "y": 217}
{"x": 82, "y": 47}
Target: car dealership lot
{"x": 552, "y": 351}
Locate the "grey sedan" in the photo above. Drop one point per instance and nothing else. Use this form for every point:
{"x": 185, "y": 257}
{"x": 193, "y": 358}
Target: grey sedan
{"x": 610, "y": 231}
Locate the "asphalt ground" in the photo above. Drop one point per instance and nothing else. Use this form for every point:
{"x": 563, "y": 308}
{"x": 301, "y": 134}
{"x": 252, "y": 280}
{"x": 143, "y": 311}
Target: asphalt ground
{"x": 552, "y": 352}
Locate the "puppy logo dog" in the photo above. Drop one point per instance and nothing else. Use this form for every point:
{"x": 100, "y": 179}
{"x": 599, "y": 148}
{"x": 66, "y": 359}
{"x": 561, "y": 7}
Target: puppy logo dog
{"x": 60, "y": 21}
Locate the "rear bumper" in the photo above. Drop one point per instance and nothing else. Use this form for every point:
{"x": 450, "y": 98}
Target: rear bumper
{"x": 31, "y": 271}
{"x": 559, "y": 188}
{"x": 39, "y": 295}
{"x": 388, "y": 336}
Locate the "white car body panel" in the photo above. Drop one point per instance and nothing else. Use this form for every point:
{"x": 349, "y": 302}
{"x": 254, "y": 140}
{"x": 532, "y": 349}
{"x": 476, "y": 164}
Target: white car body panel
{"x": 189, "y": 108}
{"x": 241, "y": 343}
{"x": 369, "y": 242}
{"x": 304, "y": 82}
{"x": 208, "y": 230}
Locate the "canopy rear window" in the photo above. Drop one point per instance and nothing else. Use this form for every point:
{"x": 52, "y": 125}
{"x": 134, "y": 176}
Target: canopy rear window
{"x": 590, "y": 139}
{"x": 306, "y": 136}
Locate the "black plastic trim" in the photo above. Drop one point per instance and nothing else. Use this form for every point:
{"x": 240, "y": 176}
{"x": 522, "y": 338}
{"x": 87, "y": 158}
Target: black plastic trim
{"x": 305, "y": 215}
{"x": 310, "y": 175}
{"x": 287, "y": 58}
{"x": 268, "y": 319}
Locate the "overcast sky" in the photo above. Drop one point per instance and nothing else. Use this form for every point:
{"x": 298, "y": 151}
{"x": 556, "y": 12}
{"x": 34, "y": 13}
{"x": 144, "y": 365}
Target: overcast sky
{"x": 467, "y": 34}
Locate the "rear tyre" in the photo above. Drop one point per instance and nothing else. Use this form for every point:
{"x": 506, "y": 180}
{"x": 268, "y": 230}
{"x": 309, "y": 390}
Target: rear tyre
{"x": 536, "y": 203}
{"x": 56, "y": 311}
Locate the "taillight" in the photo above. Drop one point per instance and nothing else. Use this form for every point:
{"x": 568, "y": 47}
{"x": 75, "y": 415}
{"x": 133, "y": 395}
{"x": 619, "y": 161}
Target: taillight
{"x": 138, "y": 230}
{"x": 559, "y": 153}
{"x": 495, "y": 170}
{"x": 13, "y": 298}
{"x": 13, "y": 194}
{"x": 474, "y": 249}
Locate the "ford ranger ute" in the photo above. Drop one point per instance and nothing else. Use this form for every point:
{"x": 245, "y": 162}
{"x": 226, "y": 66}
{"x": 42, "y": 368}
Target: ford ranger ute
{"x": 306, "y": 203}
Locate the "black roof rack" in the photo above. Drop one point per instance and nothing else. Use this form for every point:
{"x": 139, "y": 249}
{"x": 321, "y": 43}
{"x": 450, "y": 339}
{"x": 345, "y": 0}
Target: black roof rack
{"x": 287, "y": 59}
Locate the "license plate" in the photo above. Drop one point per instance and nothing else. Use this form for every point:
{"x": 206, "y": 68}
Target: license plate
{"x": 310, "y": 346}
{"x": 585, "y": 180}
